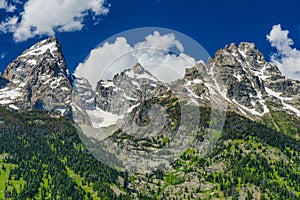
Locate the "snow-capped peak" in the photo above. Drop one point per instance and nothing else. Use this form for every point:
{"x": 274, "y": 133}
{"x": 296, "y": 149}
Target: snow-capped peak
{"x": 139, "y": 72}
{"x": 247, "y": 78}
{"x": 39, "y": 79}
{"x": 51, "y": 44}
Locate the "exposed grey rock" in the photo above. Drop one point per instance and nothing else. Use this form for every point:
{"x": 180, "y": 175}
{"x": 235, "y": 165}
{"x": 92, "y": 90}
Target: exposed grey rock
{"x": 126, "y": 90}
{"x": 39, "y": 79}
{"x": 250, "y": 82}
{"x": 84, "y": 90}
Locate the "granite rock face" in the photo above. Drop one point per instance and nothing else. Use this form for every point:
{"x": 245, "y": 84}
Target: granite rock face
{"x": 249, "y": 83}
{"x": 39, "y": 79}
{"x": 126, "y": 90}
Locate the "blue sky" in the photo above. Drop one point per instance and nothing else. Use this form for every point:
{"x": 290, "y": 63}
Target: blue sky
{"x": 213, "y": 24}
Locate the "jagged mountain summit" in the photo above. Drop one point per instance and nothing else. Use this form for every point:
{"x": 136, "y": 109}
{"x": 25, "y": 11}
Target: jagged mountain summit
{"x": 40, "y": 79}
{"x": 113, "y": 99}
{"x": 130, "y": 90}
{"x": 250, "y": 84}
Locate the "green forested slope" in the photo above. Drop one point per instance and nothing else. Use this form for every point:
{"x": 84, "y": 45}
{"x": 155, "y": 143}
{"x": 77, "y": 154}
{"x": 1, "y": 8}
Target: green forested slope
{"x": 42, "y": 157}
{"x": 46, "y": 154}
{"x": 250, "y": 161}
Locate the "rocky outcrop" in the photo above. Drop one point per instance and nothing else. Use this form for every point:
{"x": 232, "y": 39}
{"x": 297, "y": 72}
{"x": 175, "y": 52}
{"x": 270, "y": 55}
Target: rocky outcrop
{"x": 245, "y": 80}
{"x": 126, "y": 90}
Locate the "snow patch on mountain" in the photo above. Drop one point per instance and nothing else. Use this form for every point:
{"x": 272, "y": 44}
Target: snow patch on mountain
{"x": 9, "y": 95}
{"x": 41, "y": 48}
{"x": 100, "y": 118}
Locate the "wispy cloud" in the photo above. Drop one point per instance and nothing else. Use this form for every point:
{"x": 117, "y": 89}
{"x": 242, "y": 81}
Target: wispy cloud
{"x": 8, "y": 7}
{"x": 43, "y": 17}
{"x": 286, "y": 58}
{"x": 2, "y": 56}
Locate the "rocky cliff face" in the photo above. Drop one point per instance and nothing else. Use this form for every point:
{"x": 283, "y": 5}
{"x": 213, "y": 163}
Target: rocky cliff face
{"x": 247, "y": 82}
{"x": 38, "y": 79}
{"x": 113, "y": 99}
{"x": 126, "y": 90}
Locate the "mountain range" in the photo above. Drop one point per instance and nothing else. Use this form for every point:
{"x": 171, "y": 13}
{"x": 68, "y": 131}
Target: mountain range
{"x": 249, "y": 85}
{"x": 261, "y": 106}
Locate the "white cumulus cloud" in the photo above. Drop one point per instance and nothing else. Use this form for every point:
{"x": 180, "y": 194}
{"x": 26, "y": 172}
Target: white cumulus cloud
{"x": 156, "y": 40}
{"x": 7, "y": 6}
{"x": 162, "y": 55}
{"x": 103, "y": 60}
{"x": 43, "y": 17}
{"x": 287, "y": 58}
